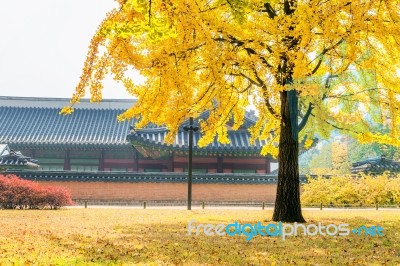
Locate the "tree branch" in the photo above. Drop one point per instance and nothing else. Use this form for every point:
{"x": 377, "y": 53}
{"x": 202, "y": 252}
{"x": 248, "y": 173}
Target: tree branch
{"x": 337, "y": 127}
{"x": 270, "y": 108}
{"x": 149, "y": 12}
{"x": 271, "y": 12}
{"x": 249, "y": 51}
{"x": 317, "y": 66}
{"x": 287, "y": 7}
{"x": 251, "y": 80}
{"x": 306, "y": 116}
{"x": 266, "y": 99}
{"x": 351, "y": 94}
{"x": 321, "y": 55}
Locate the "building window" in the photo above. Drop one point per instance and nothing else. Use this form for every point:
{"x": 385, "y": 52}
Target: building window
{"x": 117, "y": 169}
{"x": 152, "y": 170}
{"x": 50, "y": 167}
{"x": 197, "y": 170}
{"x": 242, "y": 171}
{"x": 85, "y": 168}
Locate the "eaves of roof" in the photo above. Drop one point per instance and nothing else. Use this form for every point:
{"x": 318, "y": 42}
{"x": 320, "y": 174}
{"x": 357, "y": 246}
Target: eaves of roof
{"x": 27, "y": 126}
{"x": 135, "y": 177}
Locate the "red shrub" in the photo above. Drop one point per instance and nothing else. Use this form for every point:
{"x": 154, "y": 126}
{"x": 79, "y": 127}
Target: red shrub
{"x": 57, "y": 197}
{"x": 19, "y": 193}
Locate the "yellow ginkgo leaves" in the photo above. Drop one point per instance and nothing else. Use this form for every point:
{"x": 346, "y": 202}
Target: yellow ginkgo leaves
{"x": 221, "y": 56}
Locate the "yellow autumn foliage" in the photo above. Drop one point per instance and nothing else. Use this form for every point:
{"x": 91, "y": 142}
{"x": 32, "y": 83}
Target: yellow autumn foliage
{"x": 341, "y": 57}
{"x": 159, "y": 236}
{"x": 347, "y": 189}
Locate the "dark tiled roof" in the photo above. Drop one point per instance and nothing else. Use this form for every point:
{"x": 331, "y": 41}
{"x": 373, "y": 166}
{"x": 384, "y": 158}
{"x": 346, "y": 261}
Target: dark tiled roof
{"x": 22, "y": 127}
{"x": 25, "y": 127}
{"x": 150, "y": 141}
{"x": 58, "y": 103}
{"x": 153, "y": 141}
{"x": 29, "y": 125}
{"x": 135, "y": 177}
{"x": 10, "y": 159}
{"x": 376, "y": 165}
{"x": 12, "y": 162}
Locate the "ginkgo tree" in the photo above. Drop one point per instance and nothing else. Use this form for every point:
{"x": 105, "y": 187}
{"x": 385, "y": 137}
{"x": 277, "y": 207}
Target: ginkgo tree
{"x": 306, "y": 66}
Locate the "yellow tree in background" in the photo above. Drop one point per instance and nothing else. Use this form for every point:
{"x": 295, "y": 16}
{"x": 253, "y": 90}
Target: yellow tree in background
{"x": 306, "y": 66}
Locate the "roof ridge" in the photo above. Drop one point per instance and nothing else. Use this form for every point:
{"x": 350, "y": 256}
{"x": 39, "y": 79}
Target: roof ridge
{"x": 59, "y": 108}
{"x": 54, "y": 99}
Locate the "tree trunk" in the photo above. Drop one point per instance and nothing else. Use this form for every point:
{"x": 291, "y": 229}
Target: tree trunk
{"x": 287, "y": 203}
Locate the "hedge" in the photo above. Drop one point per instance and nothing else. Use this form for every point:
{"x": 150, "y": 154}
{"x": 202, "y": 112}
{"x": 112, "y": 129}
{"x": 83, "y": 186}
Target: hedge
{"x": 363, "y": 189}
{"x": 17, "y": 193}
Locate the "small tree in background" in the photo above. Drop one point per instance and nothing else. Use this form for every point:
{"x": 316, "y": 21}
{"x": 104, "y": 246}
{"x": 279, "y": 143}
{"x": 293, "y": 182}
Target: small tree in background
{"x": 316, "y": 191}
{"x": 366, "y": 189}
{"x": 394, "y": 185}
{"x": 377, "y": 189}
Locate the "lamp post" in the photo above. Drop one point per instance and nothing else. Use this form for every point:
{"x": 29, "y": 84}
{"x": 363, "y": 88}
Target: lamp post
{"x": 191, "y": 129}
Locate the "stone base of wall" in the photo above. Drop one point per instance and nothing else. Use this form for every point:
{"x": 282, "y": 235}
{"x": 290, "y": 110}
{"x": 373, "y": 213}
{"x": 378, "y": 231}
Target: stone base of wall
{"x": 168, "y": 191}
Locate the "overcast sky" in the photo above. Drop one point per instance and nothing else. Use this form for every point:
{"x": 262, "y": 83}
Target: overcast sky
{"x": 43, "y": 45}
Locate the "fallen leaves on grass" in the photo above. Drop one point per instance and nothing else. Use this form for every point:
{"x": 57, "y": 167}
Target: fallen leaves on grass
{"x": 159, "y": 237}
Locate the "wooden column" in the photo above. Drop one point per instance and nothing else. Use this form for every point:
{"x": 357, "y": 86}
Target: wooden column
{"x": 67, "y": 161}
{"x": 220, "y": 164}
{"x": 267, "y": 165}
{"x": 171, "y": 166}
{"x": 136, "y": 161}
{"x": 101, "y": 160}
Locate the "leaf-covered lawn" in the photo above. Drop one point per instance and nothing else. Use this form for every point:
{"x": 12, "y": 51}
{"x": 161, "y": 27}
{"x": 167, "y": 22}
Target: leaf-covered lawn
{"x": 160, "y": 237}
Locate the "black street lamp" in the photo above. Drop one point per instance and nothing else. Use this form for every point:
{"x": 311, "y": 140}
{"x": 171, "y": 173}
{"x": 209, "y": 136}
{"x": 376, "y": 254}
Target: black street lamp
{"x": 191, "y": 129}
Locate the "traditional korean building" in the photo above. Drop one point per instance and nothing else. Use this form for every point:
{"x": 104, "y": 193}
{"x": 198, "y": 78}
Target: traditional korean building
{"x": 91, "y": 139}
{"x": 239, "y": 156}
{"x": 10, "y": 159}
{"x": 376, "y": 166}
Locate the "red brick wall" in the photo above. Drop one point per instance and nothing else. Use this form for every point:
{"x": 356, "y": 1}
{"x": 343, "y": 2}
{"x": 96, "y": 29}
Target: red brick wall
{"x": 168, "y": 191}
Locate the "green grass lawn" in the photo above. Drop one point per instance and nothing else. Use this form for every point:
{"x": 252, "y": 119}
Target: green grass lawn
{"x": 160, "y": 237}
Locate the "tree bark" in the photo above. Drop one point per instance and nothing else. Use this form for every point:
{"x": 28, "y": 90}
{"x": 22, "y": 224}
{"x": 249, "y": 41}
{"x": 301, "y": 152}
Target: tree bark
{"x": 287, "y": 203}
